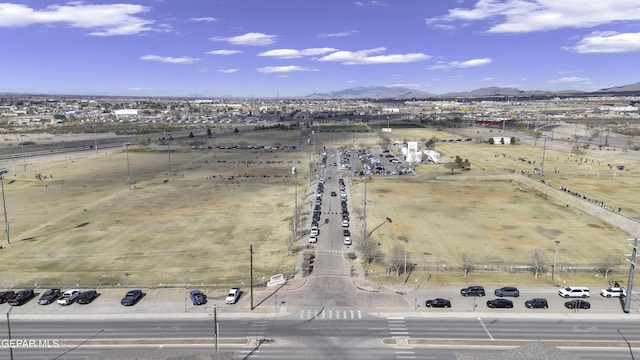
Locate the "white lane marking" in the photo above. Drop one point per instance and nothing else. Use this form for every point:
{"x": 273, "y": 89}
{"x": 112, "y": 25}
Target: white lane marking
{"x": 485, "y": 329}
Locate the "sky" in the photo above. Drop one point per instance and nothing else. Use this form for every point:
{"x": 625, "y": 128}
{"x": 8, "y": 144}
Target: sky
{"x": 294, "y": 48}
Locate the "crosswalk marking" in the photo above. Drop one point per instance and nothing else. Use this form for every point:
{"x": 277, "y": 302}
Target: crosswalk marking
{"x": 330, "y": 314}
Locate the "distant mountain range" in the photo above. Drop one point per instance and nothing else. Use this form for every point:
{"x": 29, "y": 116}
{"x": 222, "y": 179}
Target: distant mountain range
{"x": 396, "y": 92}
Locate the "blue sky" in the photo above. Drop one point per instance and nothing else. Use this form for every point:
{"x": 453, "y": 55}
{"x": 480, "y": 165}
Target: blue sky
{"x": 289, "y": 48}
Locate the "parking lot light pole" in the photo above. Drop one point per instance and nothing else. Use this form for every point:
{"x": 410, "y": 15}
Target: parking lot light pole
{"x": 24, "y": 162}
{"x": 95, "y": 139}
{"x": 553, "y": 269}
{"x": 168, "y": 136}
{"x": 126, "y": 146}
{"x": 544, "y": 151}
{"x": 4, "y": 205}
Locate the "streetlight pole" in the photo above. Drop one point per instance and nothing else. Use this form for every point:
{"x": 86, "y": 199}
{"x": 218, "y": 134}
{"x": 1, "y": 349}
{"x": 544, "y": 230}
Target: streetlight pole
{"x": 24, "y": 162}
{"x": 168, "y": 136}
{"x": 406, "y": 241}
{"x": 295, "y": 206}
{"x": 126, "y": 146}
{"x": 9, "y": 333}
{"x": 555, "y": 258}
{"x": 4, "y": 205}
{"x": 544, "y": 150}
{"x": 632, "y": 269}
{"x": 95, "y": 139}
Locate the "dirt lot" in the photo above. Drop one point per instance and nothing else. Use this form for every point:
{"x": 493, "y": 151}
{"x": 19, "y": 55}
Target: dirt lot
{"x": 78, "y": 223}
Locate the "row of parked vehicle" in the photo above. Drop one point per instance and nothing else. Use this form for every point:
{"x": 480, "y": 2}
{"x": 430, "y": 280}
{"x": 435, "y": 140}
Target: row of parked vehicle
{"x": 68, "y": 297}
{"x": 579, "y": 293}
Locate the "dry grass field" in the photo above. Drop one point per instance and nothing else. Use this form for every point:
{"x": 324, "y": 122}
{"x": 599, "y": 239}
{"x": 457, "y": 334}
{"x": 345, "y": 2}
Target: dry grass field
{"x": 80, "y": 224}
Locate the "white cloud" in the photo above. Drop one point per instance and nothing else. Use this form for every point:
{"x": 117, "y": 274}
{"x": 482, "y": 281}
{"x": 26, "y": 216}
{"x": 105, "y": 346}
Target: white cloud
{"x": 204, "y": 19}
{"x": 487, "y": 79}
{"x": 293, "y": 54}
{"x": 170, "y": 60}
{"x": 101, "y": 20}
{"x": 283, "y": 69}
{"x": 461, "y": 64}
{"x": 571, "y": 80}
{"x": 227, "y": 71}
{"x": 338, "y": 34}
{"x": 364, "y": 57}
{"x": 519, "y": 16}
{"x": 608, "y": 42}
{"x": 253, "y": 39}
{"x": 223, "y": 52}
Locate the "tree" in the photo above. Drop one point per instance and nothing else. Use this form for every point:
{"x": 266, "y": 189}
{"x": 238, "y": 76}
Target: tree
{"x": 451, "y": 165}
{"x": 208, "y": 132}
{"x": 396, "y": 259}
{"x": 538, "y": 261}
{"x": 607, "y": 265}
{"x": 368, "y": 248}
{"x": 191, "y": 134}
{"x": 467, "y": 264}
{"x": 513, "y": 140}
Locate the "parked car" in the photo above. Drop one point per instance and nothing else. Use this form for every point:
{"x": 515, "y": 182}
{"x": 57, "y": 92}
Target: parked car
{"x": 438, "y": 303}
{"x": 472, "y": 291}
{"x": 131, "y": 297}
{"x": 5, "y": 296}
{"x": 87, "y": 297}
{"x": 536, "y": 303}
{"x": 68, "y": 297}
{"x": 21, "y": 297}
{"x": 49, "y": 296}
{"x": 313, "y": 239}
{"x": 577, "y": 304}
{"x": 345, "y": 223}
{"x": 574, "y": 292}
{"x": 500, "y": 303}
{"x": 613, "y": 292}
{"x": 507, "y": 291}
{"x": 232, "y": 296}
{"x": 347, "y": 240}
{"x": 197, "y": 297}
{"x": 346, "y": 232}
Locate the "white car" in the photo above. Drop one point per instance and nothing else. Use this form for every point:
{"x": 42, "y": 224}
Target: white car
{"x": 68, "y": 297}
{"x": 574, "y": 292}
{"x": 232, "y": 296}
{"x": 347, "y": 240}
{"x": 313, "y": 239}
{"x": 613, "y": 292}
{"x": 345, "y": 223}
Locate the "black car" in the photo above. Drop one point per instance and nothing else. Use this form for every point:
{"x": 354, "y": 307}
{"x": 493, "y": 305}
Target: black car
{"x": 472, "y": 291}
{"x": 346, "y": 232}
{"x": 507, "y": 291}
{"x": 21, "y": 297}
{"x": 500, "y": 303}
{"x": 86, "y": 297}
{"x": 131, "y": 298}
{"x": 438, "y": 302}
{"x": 577, "y": 304}
{"x": 536, "y": 303}
{"x": 5, "y": 296}
{"x": 49, "y": 296}
{"x": 333, "y": 193}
